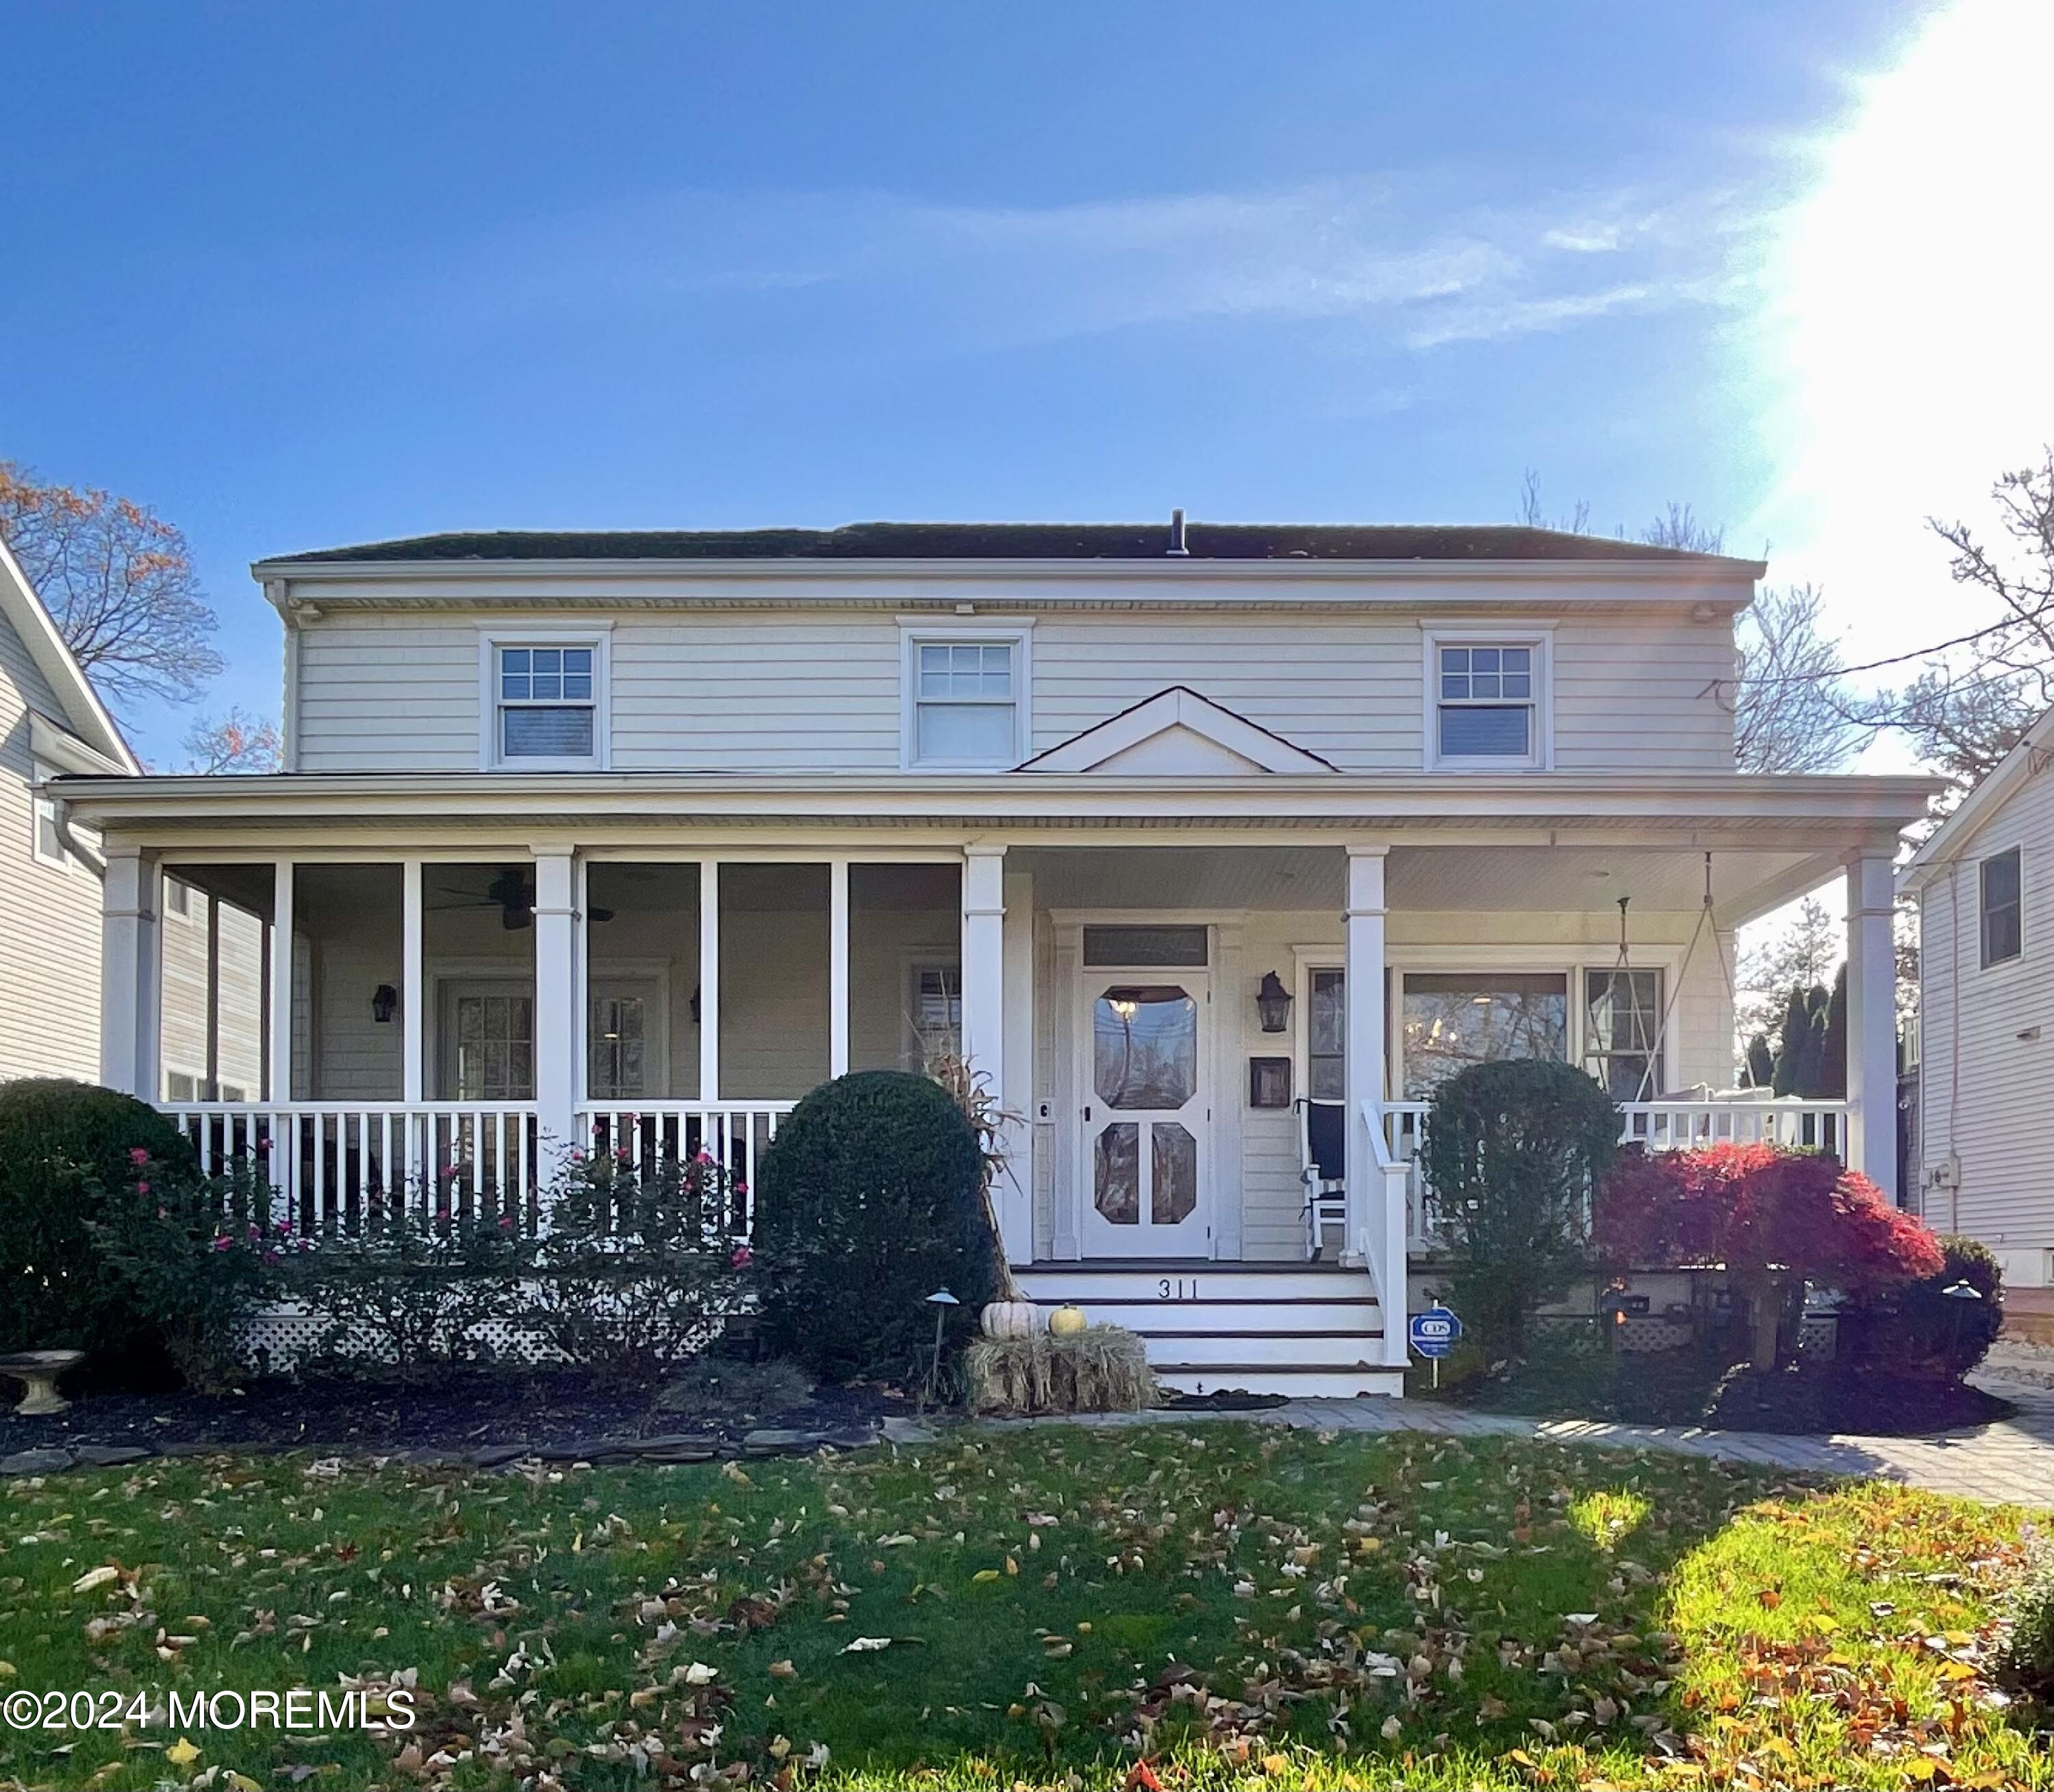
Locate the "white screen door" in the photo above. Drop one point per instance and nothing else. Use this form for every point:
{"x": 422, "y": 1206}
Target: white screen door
{"x": 1145, "y": 1131}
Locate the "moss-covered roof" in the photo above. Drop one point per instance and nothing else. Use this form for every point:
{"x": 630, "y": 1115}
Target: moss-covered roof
{"x": 1014, "y": 540}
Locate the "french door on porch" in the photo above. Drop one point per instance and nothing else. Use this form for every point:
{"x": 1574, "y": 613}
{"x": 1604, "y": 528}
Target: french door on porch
{"x": 1146, "y": 1132}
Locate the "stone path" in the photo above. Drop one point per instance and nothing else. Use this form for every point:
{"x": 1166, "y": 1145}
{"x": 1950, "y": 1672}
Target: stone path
{"x": 2010, "y": 1462}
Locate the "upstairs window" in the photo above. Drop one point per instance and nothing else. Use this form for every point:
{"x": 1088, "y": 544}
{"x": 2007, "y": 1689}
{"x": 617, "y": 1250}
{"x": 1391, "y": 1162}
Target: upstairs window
{"x": 1487, "y": 711}
{"x": 966, "y": 699}
{"x": 46, "y": 842}
{"x": 2003, "y": 928}
{"x": 546, "y": 704}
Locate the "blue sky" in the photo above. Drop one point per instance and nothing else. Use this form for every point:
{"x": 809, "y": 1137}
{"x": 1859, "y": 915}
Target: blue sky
{"x": 298, "y": 276}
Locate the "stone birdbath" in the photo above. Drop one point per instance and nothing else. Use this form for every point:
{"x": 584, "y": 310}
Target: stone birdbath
{"x": 38, "y": 1370}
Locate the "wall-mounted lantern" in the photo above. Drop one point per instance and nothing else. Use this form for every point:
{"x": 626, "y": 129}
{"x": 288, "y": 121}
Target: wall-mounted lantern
{"x": 384, "y": 1000}
{"x": 1273, "y": 1002}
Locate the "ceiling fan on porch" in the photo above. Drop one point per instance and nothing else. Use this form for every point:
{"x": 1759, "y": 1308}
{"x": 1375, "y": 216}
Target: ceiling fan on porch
{"x": 512, "y": 892}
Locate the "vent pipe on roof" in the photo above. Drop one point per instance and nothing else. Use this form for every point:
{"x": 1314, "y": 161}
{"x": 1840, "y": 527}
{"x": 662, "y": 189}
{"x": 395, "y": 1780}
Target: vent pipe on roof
{"x": 1177, "y": 533}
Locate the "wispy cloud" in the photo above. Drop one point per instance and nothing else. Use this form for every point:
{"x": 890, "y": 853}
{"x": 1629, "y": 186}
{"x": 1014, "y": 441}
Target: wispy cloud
{"x": 1406, "y": 260}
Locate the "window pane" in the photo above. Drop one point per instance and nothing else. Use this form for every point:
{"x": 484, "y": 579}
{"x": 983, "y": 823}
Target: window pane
{"x": 577, "y": 684}
{"x": 1622, "y": 1027}
{"x": 1452, "y": 1021}
{"x": 1117, "y": 1174}
{"x": 965, "y": 734}
{"x": 1145, "y": 1046}
{"x": 1518, "y": 659}
{"x": 1454, "y": 686}
{"x": 1497, "y": 732}
{"x": 1454, "y": 659}
{"x": 1518, "y": 684}
{"x": 546, "y": 734}
{"x": 1484, "y": 684}
{"x": 1173, "y": 1181}
{"x": 1326, "y": 1038}
{"x": 1483, "y": 660}
{"x": 2000, "y": 879}
{"x": 1113, "y": 947}
{"x": 577, "y": 659}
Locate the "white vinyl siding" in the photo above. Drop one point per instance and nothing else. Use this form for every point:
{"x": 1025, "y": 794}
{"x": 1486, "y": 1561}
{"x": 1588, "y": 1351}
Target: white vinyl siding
{"x": 803, "y": 690}
{"x": 1987, "y": 1046}
{"x": 49, "y": 946}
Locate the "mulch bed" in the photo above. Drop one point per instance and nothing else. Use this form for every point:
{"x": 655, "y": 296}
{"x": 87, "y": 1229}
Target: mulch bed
{"x": 1804, "y": 1400}
{"x": 453, "y": 1409}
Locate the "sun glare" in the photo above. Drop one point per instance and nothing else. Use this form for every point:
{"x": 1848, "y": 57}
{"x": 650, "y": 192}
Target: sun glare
{"x": 1912, "y": 289}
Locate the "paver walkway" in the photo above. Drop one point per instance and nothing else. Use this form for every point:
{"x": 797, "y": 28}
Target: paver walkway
{"x": 2012, "y": 1461}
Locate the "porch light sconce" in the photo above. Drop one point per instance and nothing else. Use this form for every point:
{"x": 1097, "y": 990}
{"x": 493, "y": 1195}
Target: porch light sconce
{"x": 1273, "y": 1002}
{"x": 384, "y": 1000}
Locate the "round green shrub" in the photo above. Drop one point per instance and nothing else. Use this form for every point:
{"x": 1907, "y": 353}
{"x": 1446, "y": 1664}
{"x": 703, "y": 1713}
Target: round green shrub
{"x": 869, "y": 1200}
{"x": 1514, "y": 1149}
{"x": 63, "y": 1144}
{"x": 1916, "y": 1328}
{"x": 2029, "y": 1658}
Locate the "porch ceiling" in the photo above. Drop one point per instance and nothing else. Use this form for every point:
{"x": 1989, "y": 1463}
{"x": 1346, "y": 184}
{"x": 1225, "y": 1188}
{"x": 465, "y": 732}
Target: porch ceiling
{"x": 1552, "y": 880}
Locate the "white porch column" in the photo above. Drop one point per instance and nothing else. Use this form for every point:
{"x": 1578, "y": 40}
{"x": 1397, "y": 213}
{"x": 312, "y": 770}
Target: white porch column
{"x": 1375, "y": 1234}
{"x": 129, "y": 973}
{"x": 837, "y": 967}
{"x": 710, "y": 981}
{"x": 984, "y": 1015}
{"x": 1871, "y": 1020}
{"x": 282, "y": 956}
{"x": 413, "y": 981}
{"x": 558, "y": 1039}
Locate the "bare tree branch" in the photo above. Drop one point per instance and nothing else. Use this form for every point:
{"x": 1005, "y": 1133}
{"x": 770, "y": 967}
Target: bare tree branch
{"x": 1790, "y": 711}
{"x": 234, "y": 743}
{"x": 119, "y": 584}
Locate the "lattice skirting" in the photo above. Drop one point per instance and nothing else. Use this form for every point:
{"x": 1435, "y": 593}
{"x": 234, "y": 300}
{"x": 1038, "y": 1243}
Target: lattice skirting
{"x": 288, "y": 1337}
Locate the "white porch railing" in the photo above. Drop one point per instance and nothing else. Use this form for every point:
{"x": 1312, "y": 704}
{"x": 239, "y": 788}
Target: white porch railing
{"x": 1654, "y": 1125}
{"x": 331, "y": 1163}
{"x": 735, "y": 1133}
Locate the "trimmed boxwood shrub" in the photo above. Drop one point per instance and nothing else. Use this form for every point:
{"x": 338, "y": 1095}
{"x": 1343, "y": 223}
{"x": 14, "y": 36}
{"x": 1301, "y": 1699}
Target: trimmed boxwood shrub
{"x": 1513, "y": 1151}
{"x": 868, "y": 1201}
{"x": 2028, "y": 1659}
{"x": 1916, "y": 1329}
{"x": 63, "y": 1145}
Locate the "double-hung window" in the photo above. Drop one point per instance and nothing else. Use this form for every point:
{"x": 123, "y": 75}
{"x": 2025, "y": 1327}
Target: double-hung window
{"x": 1488, "y": 705}
{"x": 546, "y": 704}
{"x": 966, "y": 699}
{"x": 2002, "y": 891}
{"x": 1623, "y": 1032}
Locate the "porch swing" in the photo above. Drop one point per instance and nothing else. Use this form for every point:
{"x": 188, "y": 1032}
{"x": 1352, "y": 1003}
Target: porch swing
{"x": 1646, "y": 1044}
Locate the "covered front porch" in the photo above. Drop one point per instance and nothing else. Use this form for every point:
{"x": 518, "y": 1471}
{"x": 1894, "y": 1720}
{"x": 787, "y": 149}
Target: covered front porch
{"x": 1210, "y": 1053}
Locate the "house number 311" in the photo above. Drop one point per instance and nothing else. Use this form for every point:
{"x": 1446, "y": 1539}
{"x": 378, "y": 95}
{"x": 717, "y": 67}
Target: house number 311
{"x": 1177, "y": 1290}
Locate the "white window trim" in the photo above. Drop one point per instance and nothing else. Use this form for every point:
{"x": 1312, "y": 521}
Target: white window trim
{"x": 1540, "y": 636}
{"x": 917, "y": 632}
{"x": 43, "y": 809}
{"x": 599, "y": 637}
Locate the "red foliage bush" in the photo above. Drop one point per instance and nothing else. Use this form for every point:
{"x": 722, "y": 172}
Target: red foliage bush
{"x": 1759, "y": 1210}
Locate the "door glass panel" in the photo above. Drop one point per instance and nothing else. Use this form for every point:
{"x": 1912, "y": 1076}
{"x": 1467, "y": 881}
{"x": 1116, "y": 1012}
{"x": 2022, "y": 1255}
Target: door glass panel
{"x": 1145, "y": 1045}
{"x": 1451, "y": 1022}
{"x": 1174, "y": 1161}
{"x": 1117, "y": 1174}
{"x": 495, "y": 1048}
{"x": 619, "y": 1044}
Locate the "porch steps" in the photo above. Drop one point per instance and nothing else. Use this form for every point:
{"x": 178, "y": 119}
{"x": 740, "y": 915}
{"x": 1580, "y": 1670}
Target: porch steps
{"x": 1307, "y": 1331}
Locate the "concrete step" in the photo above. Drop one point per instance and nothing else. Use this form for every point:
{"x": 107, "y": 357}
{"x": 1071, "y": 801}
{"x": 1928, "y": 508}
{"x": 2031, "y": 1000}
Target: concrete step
{"x": 1294, "y": 1383}
{"x": 1156, "y": 1318}
{"x": 1294, "y": 1350}
{"x": 1084, "y": 1283}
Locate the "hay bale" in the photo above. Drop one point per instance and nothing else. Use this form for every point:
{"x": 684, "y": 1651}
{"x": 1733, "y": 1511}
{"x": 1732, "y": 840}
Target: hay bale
{"x": 1103, "y": 1368}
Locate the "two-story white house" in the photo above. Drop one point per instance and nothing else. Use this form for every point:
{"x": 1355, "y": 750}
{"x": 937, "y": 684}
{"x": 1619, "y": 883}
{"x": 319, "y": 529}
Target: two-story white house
{"x": 51, "y": 722}
{"x": 1215, "y": 849}
{"x": 1985, "y": 1151}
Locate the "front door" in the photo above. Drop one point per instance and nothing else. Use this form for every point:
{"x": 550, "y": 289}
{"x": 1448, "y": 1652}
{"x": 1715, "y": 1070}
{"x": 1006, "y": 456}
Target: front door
{"x": 1145, "y": 1139}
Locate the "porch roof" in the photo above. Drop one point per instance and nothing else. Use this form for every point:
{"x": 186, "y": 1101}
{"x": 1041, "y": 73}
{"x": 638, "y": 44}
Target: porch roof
{"x": 1794, "y": 832}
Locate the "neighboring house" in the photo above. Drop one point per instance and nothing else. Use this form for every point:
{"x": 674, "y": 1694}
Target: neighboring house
{"x": 1985, "y": 887}
{"x": 1214, "y": 848}
{"x": 50, "y": 722}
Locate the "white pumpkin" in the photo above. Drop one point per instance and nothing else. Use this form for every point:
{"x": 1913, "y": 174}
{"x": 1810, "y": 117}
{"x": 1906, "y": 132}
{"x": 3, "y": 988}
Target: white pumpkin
{"x": 1066, "y": 1321}
{"x": 1011, "y": 1319}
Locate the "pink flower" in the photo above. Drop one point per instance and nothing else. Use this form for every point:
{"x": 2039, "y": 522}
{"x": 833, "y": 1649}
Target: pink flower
{"x": 703, "y": 1157}
{"x": 577, "y": 1157}
{"x": 262, "y": 1147}
{"x": 743, "y": 1257}
{"x": 505, "y": 1222}
{"x": 138, "y": 1156}
{"x": 742, "y": 1188}
{"x": 224, "y": 1243}
{"x": 142, "y": 1188}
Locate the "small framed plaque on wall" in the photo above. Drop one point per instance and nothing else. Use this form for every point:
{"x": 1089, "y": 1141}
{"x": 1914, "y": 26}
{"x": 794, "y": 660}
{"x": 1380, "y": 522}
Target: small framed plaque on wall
{"x": 1269, "y": 1082}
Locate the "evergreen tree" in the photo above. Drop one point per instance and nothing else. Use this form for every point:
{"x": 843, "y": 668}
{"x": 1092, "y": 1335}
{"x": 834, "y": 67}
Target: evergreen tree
{"x": 1760, "y": 1063}
{"x": 1833, "y": 1043}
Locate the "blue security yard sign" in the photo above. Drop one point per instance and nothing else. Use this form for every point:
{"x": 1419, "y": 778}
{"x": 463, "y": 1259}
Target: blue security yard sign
{"x": 1434, "y": 1332}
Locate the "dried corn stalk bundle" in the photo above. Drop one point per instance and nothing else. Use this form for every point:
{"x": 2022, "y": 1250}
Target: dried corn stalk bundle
{"x": 1103, "y": 1368}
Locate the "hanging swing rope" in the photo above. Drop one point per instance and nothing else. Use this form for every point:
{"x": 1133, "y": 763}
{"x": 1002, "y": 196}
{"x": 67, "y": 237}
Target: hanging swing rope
{"x": 1706, "y": 919}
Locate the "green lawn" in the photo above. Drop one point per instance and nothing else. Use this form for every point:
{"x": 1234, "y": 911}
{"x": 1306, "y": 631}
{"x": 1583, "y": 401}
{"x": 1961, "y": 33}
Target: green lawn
{"x": 1237, "y": 1605}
